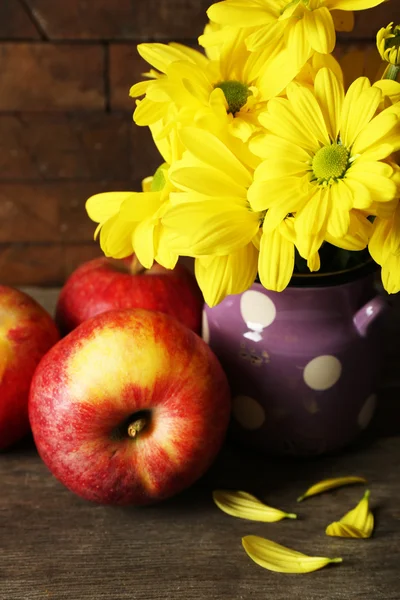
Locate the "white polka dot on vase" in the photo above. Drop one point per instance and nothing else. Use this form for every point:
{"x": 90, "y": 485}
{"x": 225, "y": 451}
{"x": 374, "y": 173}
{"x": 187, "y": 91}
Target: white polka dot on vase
{"x": 322, "y": 372}
{"x": 248, "y": 412}
{"x": 257, "y": 310}
{"x": 367, "y": 412}
{"x": 205, "y": 330}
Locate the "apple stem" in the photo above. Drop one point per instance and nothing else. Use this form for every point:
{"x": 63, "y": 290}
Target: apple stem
{"x": 136, "y": 267}
{"x": 136, "y": 427}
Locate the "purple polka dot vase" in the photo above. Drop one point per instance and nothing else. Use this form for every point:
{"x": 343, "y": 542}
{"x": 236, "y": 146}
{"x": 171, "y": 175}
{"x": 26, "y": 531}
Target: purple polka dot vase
{"x": 303, "y": 364}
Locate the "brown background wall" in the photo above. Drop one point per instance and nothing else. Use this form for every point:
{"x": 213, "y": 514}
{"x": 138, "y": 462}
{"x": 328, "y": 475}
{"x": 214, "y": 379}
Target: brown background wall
{"x": 66, "y": 129}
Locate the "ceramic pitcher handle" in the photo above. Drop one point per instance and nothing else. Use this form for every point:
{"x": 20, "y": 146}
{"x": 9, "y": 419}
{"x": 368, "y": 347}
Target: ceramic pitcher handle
{"x": 368, "y": 313}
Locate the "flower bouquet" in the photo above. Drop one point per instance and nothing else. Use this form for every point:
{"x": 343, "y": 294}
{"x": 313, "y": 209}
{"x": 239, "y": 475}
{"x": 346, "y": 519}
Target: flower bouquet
{"x": 274, "y": 165}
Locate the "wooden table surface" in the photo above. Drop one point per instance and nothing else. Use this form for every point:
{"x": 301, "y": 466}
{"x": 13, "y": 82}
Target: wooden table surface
{"x": 55, "y": 545}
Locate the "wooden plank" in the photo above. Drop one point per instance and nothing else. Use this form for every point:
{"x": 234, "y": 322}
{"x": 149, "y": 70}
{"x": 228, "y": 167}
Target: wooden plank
{"x": 125, "y": 68}
{"x": 28, "y": 264}
{"x": 186, "y": 549}
{"x": 40, "y": 147}
{"x": 15, "y": 22}
{"x": 50, "y": 212}
{"x": 40, "y": 77}
{"x": 76, "y": 254}
{"x": 125, "y": 19}
{"x": 42, "y": 264}
{"x": 145, "y": 156}
{"x": 157, "y": 19}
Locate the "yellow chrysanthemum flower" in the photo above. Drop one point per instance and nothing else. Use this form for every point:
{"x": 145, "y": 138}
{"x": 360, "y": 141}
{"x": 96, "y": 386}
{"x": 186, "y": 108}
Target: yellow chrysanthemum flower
{"x": 388, "y": 44}
{"x": 325, "y": 155}
{"x": 212, "y": 221}
{"x": 306, "y": 26}
{"x": 234, "y": 88}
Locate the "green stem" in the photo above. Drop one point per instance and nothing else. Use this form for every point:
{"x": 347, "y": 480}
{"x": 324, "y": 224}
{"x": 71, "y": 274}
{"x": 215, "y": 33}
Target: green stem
{"x": 392, "y": 72}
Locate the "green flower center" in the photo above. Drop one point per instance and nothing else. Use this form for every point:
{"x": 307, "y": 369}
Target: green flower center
{"x": 330, "y": 162}
{"x": 159, "y": 179}
{"x": 393, "y": 42}
{"x": 236, "y": 94}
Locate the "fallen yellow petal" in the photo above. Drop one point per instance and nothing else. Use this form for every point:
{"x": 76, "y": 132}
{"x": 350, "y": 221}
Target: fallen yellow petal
{"x": 275, "y": 557}
{"x": 330, "y": 484}
{"x": 357, "y": 523}
{"x": 245, "y": 506}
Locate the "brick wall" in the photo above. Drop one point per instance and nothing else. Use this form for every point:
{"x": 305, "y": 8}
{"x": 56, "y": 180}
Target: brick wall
{"x": 66, "y": 130}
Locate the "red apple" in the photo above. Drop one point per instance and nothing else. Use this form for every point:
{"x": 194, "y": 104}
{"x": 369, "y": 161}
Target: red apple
{"x": 105, "y": 284}
{"x": 26, "y": 333}
{"x": 130, "y": 408}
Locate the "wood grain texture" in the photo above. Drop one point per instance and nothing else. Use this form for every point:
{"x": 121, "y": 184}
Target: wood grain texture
{"x": 53, "y": 212}
{"x": 65, "y": 114}
{"x": 42, "y": 147}
{"x": 55, "y": 545}
{"x": 125, "y": 19}
{"x": 126, "y": 67}
{"x": 42, "y": 264}
{"x": 51, "y": 77}
{"x": 15, "y": 22}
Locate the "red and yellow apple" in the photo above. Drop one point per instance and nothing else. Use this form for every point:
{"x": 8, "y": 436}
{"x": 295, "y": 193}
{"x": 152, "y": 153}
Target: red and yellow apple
{"x": 26, "y": 334}
{"x": 105, "y": 284}
{"x": 130, "y": 408}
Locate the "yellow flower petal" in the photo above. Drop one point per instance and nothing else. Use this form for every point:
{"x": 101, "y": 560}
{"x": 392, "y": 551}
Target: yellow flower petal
{"x": 357, "y": 523}
{"x": 205, "y": 180}
{"x": 312, "y": 217}
{"x": 362, "y": 197}
{"x": 279, "y": 73}
{"x": 391, "y": 274}
{"x": 280, "y": 559}
{"x": 298, "y": 44}
{"x": 229, "y": 14}
{"x": 330, "y": 484}
{"x": 375, "y": 132}
{"x": 210, "y": 150}
{"x": 101, "y": 207}
{"x": 378, "y": 248}
{"x": 282, "y": 121}
{"x": 359, "y": 107}
{"x": 148, "y": 112}
{"x": 159, "y": 55}
{"x": 308, "y": 112}
{"x": 320, "y": 30}
{"x": 276, "y": 260}
{"x": 139, "y": 89}
{"x": 200, "y": 228}
{"x": 267, "y": 145}
{"x": 358, "y": 234}
{"x": 222, "y": 276}
{"x": 330, "y": 95}
{"x": 143, "y": 242}
{"x": 116, "y": 238}
{"x": 376, "y": 177}
{"x": 245, "y": 506}
{"x": 140, "y": 205}
{"x": 354, "y": 4}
